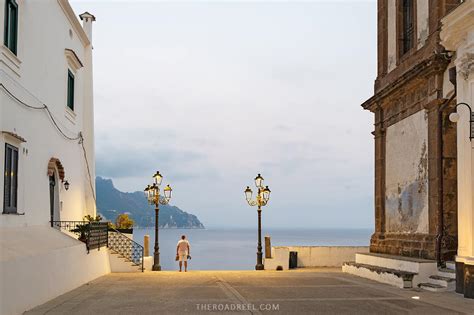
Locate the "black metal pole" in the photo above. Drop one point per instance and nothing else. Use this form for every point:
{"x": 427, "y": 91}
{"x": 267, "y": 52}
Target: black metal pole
{"x": 156, "y": 263}
{"x": 259, "y": 265}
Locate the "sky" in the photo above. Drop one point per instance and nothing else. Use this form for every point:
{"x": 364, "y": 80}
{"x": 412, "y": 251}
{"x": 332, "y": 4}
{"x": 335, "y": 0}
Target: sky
{"x": 212, "y": 93}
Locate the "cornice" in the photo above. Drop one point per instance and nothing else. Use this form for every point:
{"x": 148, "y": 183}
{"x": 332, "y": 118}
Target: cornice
{"x": 422, "y": 69}
{"x": 465, "y": 65}
{"x": 71, "y": 16}
{"x": 457, "y": 24}
{"x": 73, "y": 59}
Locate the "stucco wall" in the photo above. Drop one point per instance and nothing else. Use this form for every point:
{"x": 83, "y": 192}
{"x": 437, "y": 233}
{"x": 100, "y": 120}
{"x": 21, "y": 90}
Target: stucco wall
{"x": 37, "y": 76}
{"x": 38, "y": 264}
{"x": 406, "y": 196}
{"x": 391, "y": 36}
{"x": 314, "y": 256}
{"x": 422, "y": 22}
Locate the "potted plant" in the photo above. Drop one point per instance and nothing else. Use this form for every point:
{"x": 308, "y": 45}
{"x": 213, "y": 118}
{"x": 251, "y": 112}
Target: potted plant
{"x": 82, "y": 229}
{"x": 124, "y": 224}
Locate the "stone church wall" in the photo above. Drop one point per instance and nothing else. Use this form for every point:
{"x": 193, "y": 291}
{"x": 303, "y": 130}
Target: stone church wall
{"x": 406, "y": 195}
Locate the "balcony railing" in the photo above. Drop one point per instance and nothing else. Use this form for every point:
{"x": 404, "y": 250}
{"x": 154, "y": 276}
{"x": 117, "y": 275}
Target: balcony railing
{"x": 93, "y": 234}
{"x": 99, "y": 234}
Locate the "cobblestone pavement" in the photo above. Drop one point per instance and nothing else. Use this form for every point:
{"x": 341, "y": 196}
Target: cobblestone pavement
{"x": 309, "y": 291}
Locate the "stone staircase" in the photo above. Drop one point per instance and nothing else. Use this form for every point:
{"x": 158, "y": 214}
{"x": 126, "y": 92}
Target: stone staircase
{"x": 120, "y": 263}
{"x": 443, "y": 280}
{"x": 399, "y": 271}
{"x": 125, "y": 254}
{"x": 403, "y": 272}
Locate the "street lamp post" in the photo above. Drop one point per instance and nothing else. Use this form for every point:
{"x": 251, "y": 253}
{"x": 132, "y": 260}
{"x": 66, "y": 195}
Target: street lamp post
{"x": 152, "y": 193}
{"x": 262, "y": 198}
{"x": 454, "y": 117}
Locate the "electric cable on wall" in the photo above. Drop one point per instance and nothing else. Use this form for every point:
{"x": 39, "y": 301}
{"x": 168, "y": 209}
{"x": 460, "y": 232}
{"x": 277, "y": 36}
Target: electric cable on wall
{"x": 55, "y": 124}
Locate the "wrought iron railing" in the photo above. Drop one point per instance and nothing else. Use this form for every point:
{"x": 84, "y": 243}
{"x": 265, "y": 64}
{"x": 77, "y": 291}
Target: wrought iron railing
{"x": 67, "y": 225}
{"x": 98, "y": 235}
{"x": 93, "y": 234}
{"x": 126, "y": 247}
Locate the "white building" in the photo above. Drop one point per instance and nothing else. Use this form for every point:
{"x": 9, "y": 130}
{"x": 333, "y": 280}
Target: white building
{"x": 46, "y": 139}
{"x": 457, "y": 35}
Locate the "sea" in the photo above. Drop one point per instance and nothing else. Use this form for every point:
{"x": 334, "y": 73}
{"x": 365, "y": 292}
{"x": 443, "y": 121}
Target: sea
{"x": 235, "y": 248}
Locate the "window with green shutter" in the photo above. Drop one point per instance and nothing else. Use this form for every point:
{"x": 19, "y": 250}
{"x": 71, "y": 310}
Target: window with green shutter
{"x": 10, "y": 180}
{"x": 11, "y": 25}
{"x": 70, "y": 90}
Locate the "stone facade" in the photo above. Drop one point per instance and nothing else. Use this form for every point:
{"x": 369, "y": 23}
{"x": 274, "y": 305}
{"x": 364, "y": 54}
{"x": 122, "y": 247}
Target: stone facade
{"x": 415, "y": 143}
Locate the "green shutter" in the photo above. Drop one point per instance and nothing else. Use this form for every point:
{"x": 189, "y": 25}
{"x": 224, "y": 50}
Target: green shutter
{"x": 70, "y": 90}
{"x": 10, "y": 189}
{"x": 11, "y": 25}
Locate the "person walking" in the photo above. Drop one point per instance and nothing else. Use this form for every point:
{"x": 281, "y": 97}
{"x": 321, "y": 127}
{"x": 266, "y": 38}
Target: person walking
{"x": 183, "y": 252}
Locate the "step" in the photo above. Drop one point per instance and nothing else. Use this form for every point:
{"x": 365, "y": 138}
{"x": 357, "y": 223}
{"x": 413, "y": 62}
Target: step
{"x": 399, "y": 278}
{"x": 432, "y": 287}
{"x": 448, "y": 283}
{"x": 451, "y": 265}
{"x": 409, "y": 264}
{"x": 448, "y": 273}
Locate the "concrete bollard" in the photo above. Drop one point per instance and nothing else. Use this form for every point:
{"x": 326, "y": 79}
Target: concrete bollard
{"x": 146, "y": 245}
{"x": 268, "y": 247}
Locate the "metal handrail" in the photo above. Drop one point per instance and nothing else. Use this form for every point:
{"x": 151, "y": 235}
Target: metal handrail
{"x": 67, "y": 225}
{"x": 94, "y": 234}
{"x": 126, "y": 247}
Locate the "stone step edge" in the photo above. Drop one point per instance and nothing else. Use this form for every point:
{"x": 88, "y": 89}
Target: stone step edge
{"x": 405, "y": 275}
{"x": 431, "y": 285}
{"x": 437, "y": 277}
{"x": 447, "y": 270}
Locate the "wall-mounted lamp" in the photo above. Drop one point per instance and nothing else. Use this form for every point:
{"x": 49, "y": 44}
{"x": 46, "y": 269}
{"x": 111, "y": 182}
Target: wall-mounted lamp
{"x": 454, "y": 117}
{"x": 66, "y": 185}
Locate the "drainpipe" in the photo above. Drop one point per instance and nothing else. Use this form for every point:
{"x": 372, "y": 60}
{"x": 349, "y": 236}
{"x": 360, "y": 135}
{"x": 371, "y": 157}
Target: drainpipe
{"x": 440, "y": 227}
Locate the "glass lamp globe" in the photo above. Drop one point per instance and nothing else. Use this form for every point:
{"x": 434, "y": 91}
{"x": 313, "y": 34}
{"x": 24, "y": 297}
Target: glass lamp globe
{"x": 454, "y": 117}
{"x": 167, "y": 192}
{"x": 147, "y": 191}
{"x": 158, "y": 178}
{"x": 248, "y": 193}
{"x": 259, "y": 181}
{"x": 266, "y": 194}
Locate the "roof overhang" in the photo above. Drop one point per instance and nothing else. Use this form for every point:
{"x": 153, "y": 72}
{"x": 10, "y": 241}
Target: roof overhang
{"x": 14, "y": 135}
{"x": 71, "y": 16}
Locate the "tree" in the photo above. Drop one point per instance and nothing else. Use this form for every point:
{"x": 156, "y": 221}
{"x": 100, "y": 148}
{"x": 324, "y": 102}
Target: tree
{"x": 123, "y": 221}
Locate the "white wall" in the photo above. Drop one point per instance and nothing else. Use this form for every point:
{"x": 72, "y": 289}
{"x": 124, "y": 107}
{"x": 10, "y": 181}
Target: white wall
{"x": 313, "y": 256}
{"x": 458, "y": 35}
{"x": 37, "y": 76}
{"x": 39, "y": 263}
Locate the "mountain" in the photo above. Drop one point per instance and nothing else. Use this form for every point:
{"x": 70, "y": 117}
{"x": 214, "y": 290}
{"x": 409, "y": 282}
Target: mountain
{"x": 111, "y": 202}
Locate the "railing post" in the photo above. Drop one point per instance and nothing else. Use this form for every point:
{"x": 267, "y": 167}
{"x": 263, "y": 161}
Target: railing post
{"x": 88, "y": 236}
{"x": 99, "y": 233}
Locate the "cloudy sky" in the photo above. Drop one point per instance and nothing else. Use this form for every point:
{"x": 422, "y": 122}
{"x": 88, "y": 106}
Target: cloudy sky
{"x": 212, "y": 93}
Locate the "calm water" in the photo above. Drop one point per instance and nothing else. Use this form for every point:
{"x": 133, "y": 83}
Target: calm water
{"x": 235, "y": 249}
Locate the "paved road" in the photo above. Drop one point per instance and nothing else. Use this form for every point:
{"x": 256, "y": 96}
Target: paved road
{"x": 315, "y": 291}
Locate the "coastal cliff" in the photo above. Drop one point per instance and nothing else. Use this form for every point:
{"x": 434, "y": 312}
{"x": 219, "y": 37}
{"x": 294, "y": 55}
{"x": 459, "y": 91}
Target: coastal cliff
{"x": 112, "y": 202}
